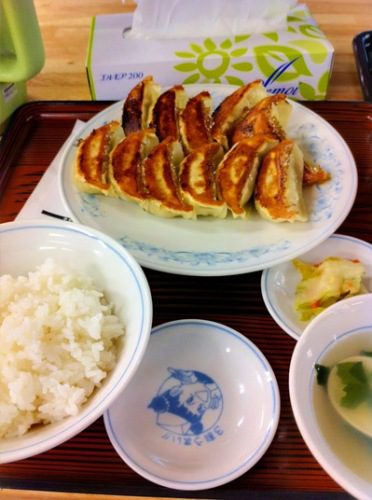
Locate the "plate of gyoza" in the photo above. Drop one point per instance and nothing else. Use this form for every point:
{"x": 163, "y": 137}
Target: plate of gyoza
{"x": 209, "y": 180}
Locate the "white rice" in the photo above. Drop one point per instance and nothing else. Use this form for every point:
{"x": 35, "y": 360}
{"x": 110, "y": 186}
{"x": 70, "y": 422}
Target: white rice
{"x": 58, "y": 341}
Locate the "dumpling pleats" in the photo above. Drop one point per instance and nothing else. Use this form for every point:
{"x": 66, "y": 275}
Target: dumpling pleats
{"x": 278, "y": 191}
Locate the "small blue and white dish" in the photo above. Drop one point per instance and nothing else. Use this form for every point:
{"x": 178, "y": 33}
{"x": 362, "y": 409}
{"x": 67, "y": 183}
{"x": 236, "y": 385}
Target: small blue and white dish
{"x": 278, "y": 284}
{"x": 202, "y": 409}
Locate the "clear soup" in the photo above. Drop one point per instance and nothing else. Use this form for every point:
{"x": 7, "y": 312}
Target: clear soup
{"x": 353, "y": 448}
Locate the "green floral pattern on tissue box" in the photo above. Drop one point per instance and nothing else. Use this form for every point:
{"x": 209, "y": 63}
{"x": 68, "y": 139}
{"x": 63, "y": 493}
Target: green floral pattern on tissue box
{"x": 296, "y": 61}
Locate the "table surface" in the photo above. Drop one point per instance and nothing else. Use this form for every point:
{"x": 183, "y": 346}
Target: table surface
{"x": 288, "y": 468}
{"x": 65, "y": 30}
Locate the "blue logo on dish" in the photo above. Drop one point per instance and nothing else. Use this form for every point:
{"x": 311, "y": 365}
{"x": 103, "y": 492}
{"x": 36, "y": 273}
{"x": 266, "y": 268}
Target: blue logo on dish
{"x": 188, "y": 406}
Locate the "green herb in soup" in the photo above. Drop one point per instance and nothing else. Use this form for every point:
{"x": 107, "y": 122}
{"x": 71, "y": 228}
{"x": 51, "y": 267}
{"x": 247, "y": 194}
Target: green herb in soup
{"x": 322, "y": 373}
{"x": 356, "y": 383}
{"x": 349, "y": 387}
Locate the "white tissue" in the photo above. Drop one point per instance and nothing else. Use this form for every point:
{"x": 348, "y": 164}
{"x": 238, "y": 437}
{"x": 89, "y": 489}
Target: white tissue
{"x": 201, "y": 18}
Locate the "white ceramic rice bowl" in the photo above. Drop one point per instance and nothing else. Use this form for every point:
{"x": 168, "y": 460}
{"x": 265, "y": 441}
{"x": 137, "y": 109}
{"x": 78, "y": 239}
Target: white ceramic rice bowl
{"x": 25, "y": 245}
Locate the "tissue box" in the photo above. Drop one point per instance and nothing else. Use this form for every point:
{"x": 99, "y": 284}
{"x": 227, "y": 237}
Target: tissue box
{"x": 296, "y": 61}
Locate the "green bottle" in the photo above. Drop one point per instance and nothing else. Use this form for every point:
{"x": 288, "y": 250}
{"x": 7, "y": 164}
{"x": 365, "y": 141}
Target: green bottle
{"x": 21, "y": 53}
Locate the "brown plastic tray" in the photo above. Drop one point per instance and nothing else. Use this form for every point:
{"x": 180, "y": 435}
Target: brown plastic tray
{"x": 88, "y": 462}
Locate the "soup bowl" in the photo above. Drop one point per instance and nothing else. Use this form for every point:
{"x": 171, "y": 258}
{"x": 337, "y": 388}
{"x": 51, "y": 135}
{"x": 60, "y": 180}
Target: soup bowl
{"x": 341, "y": 331}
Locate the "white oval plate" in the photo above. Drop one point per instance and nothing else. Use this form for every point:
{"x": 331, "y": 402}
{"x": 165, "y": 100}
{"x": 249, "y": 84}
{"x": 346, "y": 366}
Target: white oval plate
{"x": 348, "y": 322}
{"x": 278, "y": 284}
{"x": 215, "y": 247}
{"x": 202, "y": 409}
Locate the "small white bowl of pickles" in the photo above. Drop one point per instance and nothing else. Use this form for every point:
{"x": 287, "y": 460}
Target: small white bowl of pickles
{"x": 330, "y": 383}
{"x": 296, "y": 291}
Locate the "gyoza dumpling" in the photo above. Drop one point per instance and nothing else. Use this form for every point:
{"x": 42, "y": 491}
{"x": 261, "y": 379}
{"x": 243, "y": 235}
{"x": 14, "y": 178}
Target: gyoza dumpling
{"x": 195, "y": 121}
{"x": 237, "y": 172}
{"x": 314, "y": 173}
{"x": 166, "y": 112}
{"x": 125, "y": 171}
{"x": 233, "y": 107}
{"x": 278, "y": 192}
{"x": 91, "y": 166}
{"x": 268, "y": 117}
{"x": 198, "y": 180}
{"x": 137, "y": 108}
{"x": 160, "y": 178}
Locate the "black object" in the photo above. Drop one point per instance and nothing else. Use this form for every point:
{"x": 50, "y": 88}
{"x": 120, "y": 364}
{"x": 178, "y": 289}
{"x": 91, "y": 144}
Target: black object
{"x": 362, "y": 45}
{"x": 57, "y": 216}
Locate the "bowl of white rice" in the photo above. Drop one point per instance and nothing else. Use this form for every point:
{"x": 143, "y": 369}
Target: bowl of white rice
{"x": 75, "y": 320}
